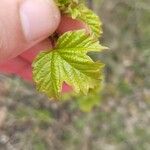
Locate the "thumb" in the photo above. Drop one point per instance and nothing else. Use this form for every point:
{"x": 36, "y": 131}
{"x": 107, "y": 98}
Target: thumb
{"x": 24, "y": 23}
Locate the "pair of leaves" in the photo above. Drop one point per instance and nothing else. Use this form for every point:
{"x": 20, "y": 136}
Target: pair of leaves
{"x": 68, "y": 62}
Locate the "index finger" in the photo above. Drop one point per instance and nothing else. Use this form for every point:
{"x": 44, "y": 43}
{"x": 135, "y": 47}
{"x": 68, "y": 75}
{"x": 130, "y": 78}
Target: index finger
{"x": 69, "y": 24}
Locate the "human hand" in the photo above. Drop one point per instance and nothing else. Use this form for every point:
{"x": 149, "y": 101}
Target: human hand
{"x": 25, "y": 26}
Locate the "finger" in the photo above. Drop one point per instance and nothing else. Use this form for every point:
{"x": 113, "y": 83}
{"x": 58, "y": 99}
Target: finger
{"x": 30, "y": 54}
{"x": 13, "y": 66}
{"x": 23, "y": 23}
{"x": 19, "y": 63}
{"x": 69, "y": 24}
{"x": 18, "y": 67}
{"x": 26, "y": 73}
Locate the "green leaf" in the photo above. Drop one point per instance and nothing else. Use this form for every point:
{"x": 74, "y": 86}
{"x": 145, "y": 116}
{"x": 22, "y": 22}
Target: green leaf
{"x": 86, "y": 15}
{"x": 68, "y": 62}
{"x": 81, "y": 12}
{"x": 87, "y": 103}
{"x": 92, "y": 20}
{"x": 65, "y": 2}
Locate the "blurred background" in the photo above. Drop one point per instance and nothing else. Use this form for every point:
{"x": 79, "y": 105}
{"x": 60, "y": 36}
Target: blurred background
{"x": 120, "y": 118}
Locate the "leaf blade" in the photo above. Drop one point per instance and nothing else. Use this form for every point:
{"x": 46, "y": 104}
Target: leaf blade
{"x": 52, "y": 68}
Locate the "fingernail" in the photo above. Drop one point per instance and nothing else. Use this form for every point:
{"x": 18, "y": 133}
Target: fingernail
{"x": 39, "y": 18}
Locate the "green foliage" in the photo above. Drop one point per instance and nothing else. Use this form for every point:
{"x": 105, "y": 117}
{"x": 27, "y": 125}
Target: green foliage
{"x": 38, "y": 142}
{"x": 68, "y": 62}
{"x": 91, "y": 19}
{"x": 79, "y": 11}
{"x": 87, "y": 103}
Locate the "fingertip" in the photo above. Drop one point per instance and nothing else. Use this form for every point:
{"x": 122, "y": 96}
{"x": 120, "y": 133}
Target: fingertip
{"x": 69, "y": 24}
{"x": 12, "y": 66}
{"x": 31, "y": 53}
{"x": 39, "y": 18}
{"x": 24, "y": 23}
{"x": 26, "y": 73}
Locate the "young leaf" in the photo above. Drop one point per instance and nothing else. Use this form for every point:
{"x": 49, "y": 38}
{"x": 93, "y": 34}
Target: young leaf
{"x": 87, "y": 103}
{"x": 66, "y": 2}
{"x": 68, "y": 62}
{"x": 63, "y": 4}
{"x": 92, "y": 20}
{"x": 81, "y": 12}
